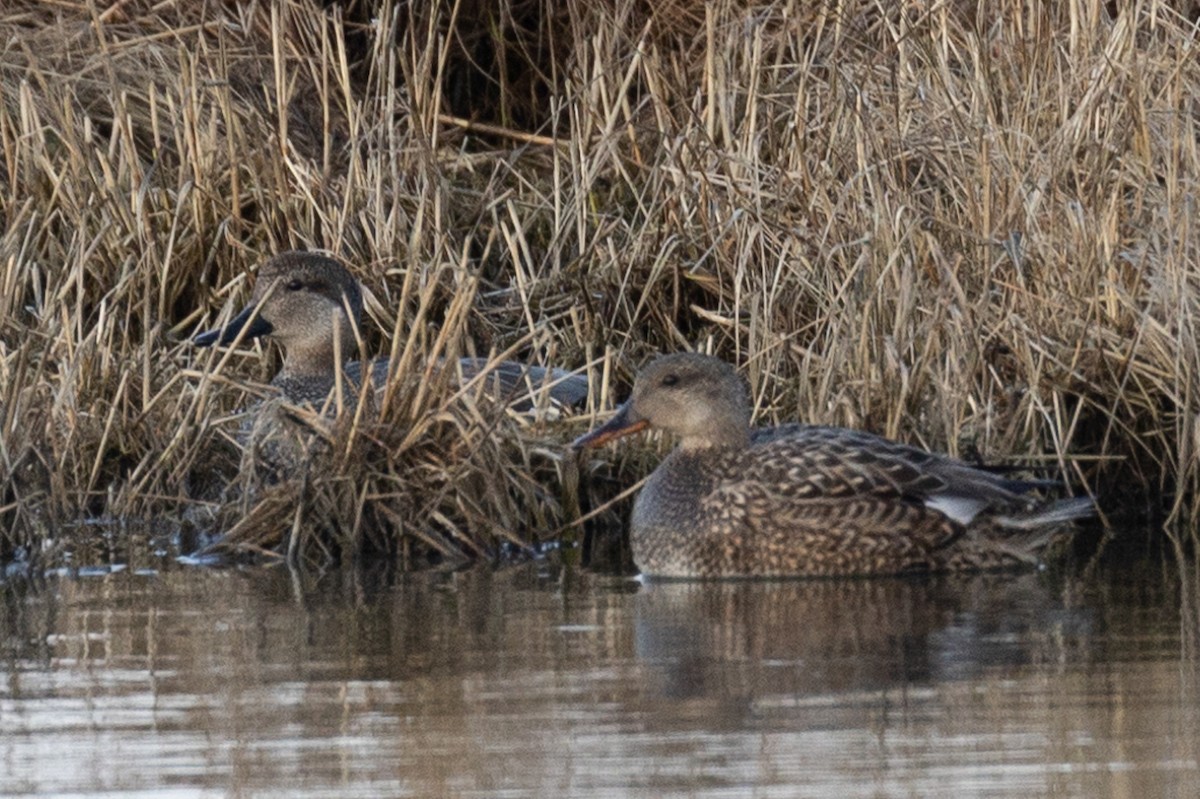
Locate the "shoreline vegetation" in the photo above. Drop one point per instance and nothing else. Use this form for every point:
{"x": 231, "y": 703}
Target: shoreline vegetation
{"x": 969, "y": 226}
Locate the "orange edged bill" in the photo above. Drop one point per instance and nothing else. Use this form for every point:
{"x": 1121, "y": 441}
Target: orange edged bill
{"x": 622, "y": 424}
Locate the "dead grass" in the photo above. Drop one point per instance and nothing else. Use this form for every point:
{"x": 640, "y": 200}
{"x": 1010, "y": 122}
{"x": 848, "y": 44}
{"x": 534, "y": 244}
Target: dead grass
{"x": 965, "y": 225}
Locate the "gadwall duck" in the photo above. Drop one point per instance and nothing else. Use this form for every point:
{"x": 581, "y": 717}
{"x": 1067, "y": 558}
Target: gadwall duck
{"x": 802, "y": 500}
{"x": 312, "y": 306}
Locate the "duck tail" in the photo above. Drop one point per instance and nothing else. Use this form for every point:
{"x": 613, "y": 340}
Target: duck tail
{"x": 1054, "y": 513}
{"x": 1019, "y": 538}
{"x": 1027, "y": 485}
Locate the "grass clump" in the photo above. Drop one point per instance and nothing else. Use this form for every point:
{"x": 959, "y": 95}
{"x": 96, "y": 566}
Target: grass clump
{"x": 968, "y": 225}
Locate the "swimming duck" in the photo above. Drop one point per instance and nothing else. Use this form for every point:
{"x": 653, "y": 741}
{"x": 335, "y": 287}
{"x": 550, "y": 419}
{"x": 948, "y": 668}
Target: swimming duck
{"x": 802, "y": 500}
{"x": 312, "y": 306}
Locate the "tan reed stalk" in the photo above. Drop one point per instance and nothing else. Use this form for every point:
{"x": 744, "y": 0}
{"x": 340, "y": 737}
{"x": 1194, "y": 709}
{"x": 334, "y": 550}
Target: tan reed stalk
{"x": 967, "y": 225}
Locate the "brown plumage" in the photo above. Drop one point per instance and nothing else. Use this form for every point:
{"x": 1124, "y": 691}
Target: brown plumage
{"x": 311, "y": 305}
{"x": 800, "y": 500}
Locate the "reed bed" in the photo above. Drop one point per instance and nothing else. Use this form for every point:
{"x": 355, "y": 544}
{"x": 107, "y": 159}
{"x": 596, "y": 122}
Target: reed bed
{"x": 967, "y": 225}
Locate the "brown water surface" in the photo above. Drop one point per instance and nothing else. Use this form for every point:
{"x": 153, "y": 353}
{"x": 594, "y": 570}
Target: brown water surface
{"x": 534, "y": 682}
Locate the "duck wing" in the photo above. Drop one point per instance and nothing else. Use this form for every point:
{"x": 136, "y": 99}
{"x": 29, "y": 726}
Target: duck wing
{"x": 829, "y": 501}
{"x": 832, "y": 463}
{"x": 511, "y": 382}
{"x": 519, "y": 383}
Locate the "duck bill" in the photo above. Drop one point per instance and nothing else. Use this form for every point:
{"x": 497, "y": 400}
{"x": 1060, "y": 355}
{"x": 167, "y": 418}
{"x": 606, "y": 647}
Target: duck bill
{"x": 623, "y": 424}
{"x": 229, "y": 334}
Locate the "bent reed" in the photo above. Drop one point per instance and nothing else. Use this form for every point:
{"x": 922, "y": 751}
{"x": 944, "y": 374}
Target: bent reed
{"x": 970, "y": 226}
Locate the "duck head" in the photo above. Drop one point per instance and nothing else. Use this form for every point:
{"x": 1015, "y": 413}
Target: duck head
{"x": 307, "y": 302}
{"x": 696, "y": 397}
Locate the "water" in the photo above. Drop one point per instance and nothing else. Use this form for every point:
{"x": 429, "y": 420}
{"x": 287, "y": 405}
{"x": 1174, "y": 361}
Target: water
{"x": 531, "y": 682}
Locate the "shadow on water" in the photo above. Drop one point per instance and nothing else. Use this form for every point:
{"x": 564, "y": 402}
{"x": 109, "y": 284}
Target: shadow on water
{"x": 543, "y": 681}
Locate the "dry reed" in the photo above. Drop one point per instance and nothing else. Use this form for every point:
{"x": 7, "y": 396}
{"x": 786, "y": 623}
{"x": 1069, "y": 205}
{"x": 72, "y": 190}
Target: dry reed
{"x": 969, "y": 225}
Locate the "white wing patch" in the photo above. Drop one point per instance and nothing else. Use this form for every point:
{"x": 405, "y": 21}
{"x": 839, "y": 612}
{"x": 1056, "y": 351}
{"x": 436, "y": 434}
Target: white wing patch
{"x": 957, "y": 507}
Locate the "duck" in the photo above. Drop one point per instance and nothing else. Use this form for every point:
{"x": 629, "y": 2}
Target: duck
{"x": 312, "y": 306}
{"x": 732, "y": 501}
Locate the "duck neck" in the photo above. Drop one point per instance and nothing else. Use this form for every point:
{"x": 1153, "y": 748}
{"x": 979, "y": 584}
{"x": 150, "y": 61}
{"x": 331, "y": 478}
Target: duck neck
{"x": 310, "y": 363}
{"x": 731, "y": 437}
{"x": 320, "y": 356}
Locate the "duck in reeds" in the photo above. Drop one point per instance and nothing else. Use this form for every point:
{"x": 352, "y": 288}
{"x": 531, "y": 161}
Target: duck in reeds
{"x": 312, "y": 306}
{"x": 802, "y": 500}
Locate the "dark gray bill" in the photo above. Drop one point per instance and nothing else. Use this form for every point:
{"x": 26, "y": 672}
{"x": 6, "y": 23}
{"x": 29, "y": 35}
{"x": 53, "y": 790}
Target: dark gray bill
{"x": 229, "y": 333}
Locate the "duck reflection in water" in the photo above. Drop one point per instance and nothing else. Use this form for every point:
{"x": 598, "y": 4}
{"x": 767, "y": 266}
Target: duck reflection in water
{"x": 723, "y": 643}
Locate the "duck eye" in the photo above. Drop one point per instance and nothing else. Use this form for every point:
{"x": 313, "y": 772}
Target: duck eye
{"x": 670, "y": 380}
{"x": 295, "y": 285}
